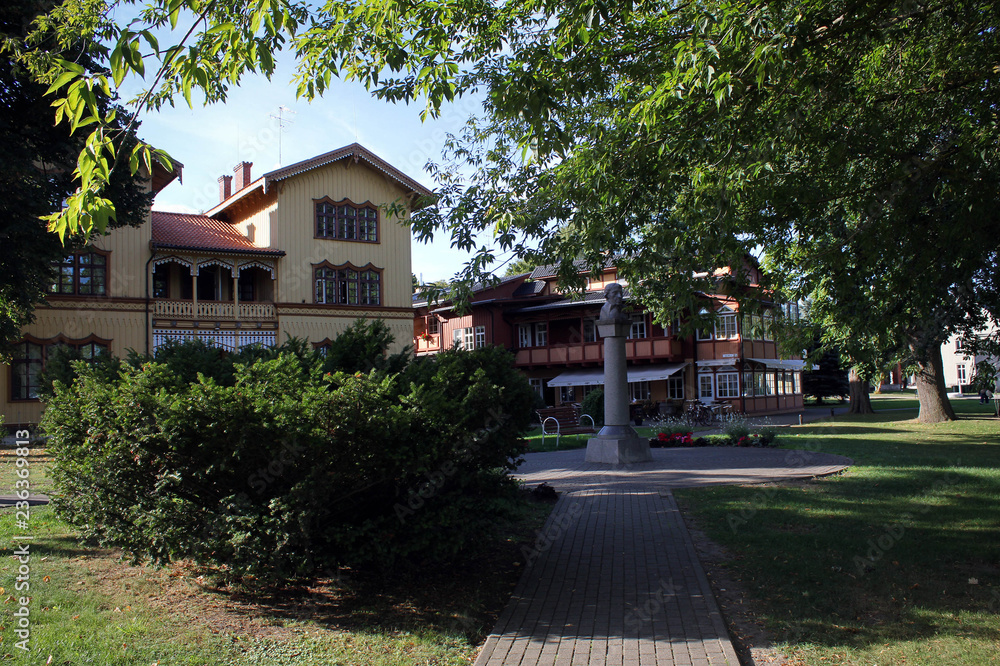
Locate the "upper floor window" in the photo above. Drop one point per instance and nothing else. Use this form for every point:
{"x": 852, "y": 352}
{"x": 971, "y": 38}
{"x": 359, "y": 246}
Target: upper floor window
{"x": 767, "y": 326}
{"x": 433, "y": 325}
{"x": 82, "y": 274}
{"x": 524, "y": 335}
{"x": 469, "y": 338}
{"x": 346, "y": 285}
{"x": 590, "y": 330}
{"x": 638, "y": 328}
{"x": 346, "y": 221}
{"x": 725, "y": 327}
{"x": 704, "y": 331}
{"x": 542, "y": 333}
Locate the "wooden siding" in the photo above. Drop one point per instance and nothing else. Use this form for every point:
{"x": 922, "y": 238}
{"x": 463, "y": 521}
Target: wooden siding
{"x": 318, "y": 329}
{"x": 129, "y": 247}
{"x": 292, "y": 230}
{"x": 123, "y": 323}
{"x": 260, "y": 214}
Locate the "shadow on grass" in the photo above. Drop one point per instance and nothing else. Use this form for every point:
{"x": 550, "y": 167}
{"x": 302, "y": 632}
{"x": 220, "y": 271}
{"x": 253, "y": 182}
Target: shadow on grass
{"x": 886, "y": 554}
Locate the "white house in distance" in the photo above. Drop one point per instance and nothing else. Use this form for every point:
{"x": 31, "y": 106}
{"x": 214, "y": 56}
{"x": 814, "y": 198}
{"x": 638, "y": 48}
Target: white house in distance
{"x": 960, "y": 366}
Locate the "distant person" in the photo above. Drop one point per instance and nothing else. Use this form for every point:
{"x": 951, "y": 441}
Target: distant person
{"x": 984, "y": 396}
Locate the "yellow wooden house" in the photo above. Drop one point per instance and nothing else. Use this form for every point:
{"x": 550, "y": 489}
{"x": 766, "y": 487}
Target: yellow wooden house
{"x": 301, "y": 251}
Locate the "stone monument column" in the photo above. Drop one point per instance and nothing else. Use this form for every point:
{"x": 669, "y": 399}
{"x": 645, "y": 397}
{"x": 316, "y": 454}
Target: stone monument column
{"x": 617, "y": 442}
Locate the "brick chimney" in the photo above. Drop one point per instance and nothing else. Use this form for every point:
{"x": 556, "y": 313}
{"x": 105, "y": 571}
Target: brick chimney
{"x": 225, "y": 187}
{"x": 242, "y": 172}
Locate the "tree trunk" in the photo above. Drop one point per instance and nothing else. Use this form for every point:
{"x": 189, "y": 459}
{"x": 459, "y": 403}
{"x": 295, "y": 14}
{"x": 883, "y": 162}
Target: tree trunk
{"x": 860, "y": 403}
{"x": 934, "y": 404}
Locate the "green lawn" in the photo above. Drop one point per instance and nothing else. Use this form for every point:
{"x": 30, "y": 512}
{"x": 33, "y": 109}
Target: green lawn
{"x": 896, "y": 561}
{"x": 89, "y": 607}
{"x": 899, "y": 400}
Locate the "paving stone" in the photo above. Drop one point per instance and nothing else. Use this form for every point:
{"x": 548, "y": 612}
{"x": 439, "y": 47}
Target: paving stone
{"x": 619, "y": 583}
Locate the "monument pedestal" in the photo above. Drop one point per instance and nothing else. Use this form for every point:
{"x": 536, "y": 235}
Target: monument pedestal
{"x": 617, "y": 443}
{"x": 618, "y": 449}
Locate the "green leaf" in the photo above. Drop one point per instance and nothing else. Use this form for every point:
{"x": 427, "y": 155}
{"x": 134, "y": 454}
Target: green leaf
{"x": 60, "y": 81}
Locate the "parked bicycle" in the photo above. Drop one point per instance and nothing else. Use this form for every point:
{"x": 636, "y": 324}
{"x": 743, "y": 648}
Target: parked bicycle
{"x": 697, "y": 413}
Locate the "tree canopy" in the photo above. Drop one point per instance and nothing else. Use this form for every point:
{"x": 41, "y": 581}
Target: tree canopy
{"x": 855, "y": 141}
{"x": 36, "y": 176}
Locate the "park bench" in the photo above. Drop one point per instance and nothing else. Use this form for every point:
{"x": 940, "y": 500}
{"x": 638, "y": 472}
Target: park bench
{"x": 566, "y": 420}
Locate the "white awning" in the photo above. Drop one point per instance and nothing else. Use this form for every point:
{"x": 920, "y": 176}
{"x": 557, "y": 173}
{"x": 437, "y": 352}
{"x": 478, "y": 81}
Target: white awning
{"x": 714, "y": 362}
{"x": 595, "y": 376}
{"x": 651, "y": 373}
{"x": 582, "y": 377}
{"x": 778, "y": 364}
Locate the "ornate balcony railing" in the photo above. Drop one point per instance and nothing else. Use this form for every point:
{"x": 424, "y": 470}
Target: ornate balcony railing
{"x": 214, "y": 310}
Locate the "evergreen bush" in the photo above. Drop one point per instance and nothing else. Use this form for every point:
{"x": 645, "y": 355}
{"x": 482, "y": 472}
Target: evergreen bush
{"x": 278, "y": 469}
{"x": 593, "y": 404}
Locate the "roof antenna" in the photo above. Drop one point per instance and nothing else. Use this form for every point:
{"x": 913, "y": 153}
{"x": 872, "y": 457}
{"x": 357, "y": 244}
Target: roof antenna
{"x": 281, "y": 126}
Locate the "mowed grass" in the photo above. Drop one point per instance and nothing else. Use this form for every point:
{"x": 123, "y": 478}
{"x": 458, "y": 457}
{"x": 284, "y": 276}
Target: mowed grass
{"x": 899, "y": 400}
{"x": 37, "y": 464}
{"x": 87, "y": 606}
{"x": 895, "y": 561}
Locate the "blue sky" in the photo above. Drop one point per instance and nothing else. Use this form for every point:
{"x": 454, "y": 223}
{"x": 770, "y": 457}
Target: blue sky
{"x": 209, "y": 141}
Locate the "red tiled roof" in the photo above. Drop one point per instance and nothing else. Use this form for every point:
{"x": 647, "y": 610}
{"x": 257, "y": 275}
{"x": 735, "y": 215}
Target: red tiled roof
{"x": 198, "y": 232}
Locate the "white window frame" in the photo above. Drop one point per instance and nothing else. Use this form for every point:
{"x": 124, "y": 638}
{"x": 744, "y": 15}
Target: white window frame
{"x": 480, "y": 337}
{"x": 767, "y": 324}
{"x": 703, "y": 334}
{"x": 675, "y": 387}
{"x": 960, "y": 370}
{"x": 748, "y": 384}
{"x": 727, "y": 384}
{"x": 433, "y": 325}
{"x": 567, "y": 394}
{"x": 702, "y": 385}
{"x": 456, "y": 337}
{"x": 470, "y": 339}
{"x": 524, "y": 337}
{"x": 638, "y": 391}
{"x": 537, "y": 385}
{"x": 542, "y": 334}
{"x": 725, "y": 327}
{"x": 589, "y": 329}
{"x": 637, "y": 331}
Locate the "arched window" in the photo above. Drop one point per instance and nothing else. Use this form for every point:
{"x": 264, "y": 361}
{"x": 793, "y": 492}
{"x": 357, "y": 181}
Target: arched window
{"x": 347, "y": 285}
{"x": 343, "y": 220}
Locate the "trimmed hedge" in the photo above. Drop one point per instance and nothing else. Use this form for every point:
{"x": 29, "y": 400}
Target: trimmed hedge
{"x": 280, "y": 469}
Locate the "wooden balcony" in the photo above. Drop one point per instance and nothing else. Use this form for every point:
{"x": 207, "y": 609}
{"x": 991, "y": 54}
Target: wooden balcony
{"x": 593, "y": 352}
{"x": 214, "y": 310}
{"x": 427, "y": 343}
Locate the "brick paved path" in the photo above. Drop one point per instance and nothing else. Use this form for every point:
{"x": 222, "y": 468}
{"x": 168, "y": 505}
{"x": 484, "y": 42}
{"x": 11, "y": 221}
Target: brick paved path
{"x": 614, "y": 578}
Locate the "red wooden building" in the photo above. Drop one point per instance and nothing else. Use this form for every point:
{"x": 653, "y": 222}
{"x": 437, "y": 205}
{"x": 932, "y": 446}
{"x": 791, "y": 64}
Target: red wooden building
{"x": 555, "y": 343}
